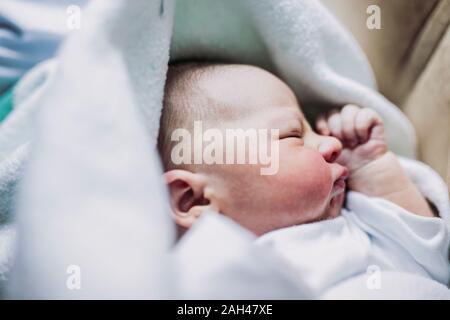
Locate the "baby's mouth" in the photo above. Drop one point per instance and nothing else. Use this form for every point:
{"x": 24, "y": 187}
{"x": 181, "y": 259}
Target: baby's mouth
{"x": 339, "y": 184}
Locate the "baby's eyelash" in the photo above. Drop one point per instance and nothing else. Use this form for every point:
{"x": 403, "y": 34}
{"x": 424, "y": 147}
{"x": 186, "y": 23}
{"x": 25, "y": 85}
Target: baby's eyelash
{"x": 293, "y": 135}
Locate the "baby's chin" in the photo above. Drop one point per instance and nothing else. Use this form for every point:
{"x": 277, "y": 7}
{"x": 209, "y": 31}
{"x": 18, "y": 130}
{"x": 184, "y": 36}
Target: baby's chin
{"x": 334, "y": 207}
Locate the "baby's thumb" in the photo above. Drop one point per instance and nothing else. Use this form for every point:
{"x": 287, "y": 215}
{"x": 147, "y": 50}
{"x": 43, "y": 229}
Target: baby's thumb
{"x": 377, "y": 132}
{"x": 322, "y": 126}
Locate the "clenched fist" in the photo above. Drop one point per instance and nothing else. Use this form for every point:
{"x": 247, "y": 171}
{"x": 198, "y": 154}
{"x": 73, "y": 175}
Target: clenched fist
{"x": 361, "y": 132}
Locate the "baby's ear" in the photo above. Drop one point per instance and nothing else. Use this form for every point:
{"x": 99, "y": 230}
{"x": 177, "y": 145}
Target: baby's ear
{"x": 186, "y": 196}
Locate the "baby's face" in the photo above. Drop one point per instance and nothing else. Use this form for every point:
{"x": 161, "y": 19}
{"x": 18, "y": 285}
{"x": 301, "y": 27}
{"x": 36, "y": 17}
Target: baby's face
{"x": 308, "y": 185}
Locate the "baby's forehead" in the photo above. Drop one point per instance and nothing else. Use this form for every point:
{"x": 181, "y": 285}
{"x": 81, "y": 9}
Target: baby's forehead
{"x": 242, "y": 89}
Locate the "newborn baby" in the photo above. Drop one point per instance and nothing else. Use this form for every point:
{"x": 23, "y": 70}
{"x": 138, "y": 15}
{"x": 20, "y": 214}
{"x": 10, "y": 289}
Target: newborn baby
{"x": 298, "y": 210}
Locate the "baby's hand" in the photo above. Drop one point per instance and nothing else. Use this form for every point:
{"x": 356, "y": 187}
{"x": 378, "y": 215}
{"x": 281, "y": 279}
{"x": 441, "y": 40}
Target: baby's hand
{"x": 373, "y": 171}
{"x": 361, "y": 132}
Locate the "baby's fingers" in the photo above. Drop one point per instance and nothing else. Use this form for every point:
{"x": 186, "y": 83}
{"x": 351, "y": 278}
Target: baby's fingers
{"x": 322, "y": 126}
{"x": 348, "y": 116}
{"x": 334, "y": 124}
{"x": 365, "y": 120}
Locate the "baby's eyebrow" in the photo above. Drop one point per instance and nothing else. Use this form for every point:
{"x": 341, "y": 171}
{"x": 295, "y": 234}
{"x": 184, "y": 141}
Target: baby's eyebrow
{"x": 295, "y": 124}
{"x": 300, "y": 119}
{"x": 302, "y": 124}
{"x": 288, "y": 120}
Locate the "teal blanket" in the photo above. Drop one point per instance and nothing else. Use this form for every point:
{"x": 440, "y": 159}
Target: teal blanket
{"x": 6, "y": 104}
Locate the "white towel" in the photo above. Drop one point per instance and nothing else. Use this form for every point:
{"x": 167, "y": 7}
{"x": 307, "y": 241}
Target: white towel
{"x": 92, "y": 196}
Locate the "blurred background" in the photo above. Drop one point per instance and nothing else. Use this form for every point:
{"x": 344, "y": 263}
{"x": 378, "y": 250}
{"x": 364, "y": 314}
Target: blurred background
{"x": 410, "y": 56}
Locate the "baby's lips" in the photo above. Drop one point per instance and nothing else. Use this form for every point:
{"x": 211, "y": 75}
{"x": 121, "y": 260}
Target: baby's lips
{"x": 339, "y": 184}
{"x": 344, "y": 174}
{"x": 339, "y": 171}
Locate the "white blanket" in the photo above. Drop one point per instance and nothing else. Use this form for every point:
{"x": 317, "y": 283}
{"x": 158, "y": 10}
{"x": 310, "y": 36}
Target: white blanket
{"x": 388, "y": 285}
{"x": 94, "y": 119}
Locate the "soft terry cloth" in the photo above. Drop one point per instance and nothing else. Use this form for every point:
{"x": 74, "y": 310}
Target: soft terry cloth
{"x": 217, "y": 260}
{"x": 91, "y": 188}
{"x": 371, "y": 235}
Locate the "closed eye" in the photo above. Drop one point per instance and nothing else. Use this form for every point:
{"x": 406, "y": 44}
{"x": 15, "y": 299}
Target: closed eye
{"x": 295, "y": 135}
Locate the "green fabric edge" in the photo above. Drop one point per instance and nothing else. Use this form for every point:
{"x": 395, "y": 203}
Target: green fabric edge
{"x": 6, "y": 103}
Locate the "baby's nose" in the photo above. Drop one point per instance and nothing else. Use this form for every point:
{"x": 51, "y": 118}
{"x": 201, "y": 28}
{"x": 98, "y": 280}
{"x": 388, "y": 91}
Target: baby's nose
{"x": 330, "y": 148}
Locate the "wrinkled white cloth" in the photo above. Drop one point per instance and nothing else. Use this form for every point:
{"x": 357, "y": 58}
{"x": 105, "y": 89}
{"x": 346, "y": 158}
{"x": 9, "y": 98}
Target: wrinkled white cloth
{"x": 388, "y": 285}
{"x": 216, "y": 259}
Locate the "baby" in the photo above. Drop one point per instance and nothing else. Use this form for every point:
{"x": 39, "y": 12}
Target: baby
{"x": 386, "y": 218}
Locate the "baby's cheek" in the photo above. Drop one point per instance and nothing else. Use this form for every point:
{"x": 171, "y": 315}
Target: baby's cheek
{"x": 310, "y": 178}
{"x": 318, "y": 181}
